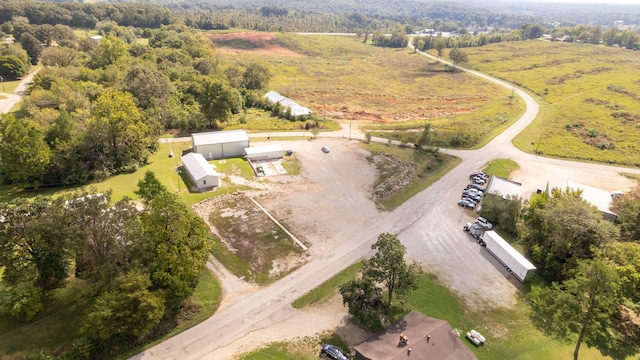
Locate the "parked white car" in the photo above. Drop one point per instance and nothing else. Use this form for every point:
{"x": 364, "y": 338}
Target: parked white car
{"x": 484, "y": 223}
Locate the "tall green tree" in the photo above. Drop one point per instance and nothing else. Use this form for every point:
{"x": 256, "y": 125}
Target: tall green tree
{"x": 127, "y": 311}
{"x": 218, "y": 100}
{"x": 34, "y": 242}
{"x": 425, "y": 137}
{"x": 117, "y": 134}
{"x": 24, "y": 154}
{"x": 109, "y": 51}
{"x": 148, "y": 85}
{"x": 389, "y": 268}
{"x": 364, "y": 300}
{"x": 255, "y": 77}
{"x": 175, "y": 243}
{"x": 583, "y": 304}
{"x": 11, "y": 67}
{"x": 33, "y": 47}
{"x": 562, "y": 229}
{"x": 458, "y": 56}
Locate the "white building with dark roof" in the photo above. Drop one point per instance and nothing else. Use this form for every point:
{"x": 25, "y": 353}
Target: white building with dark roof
{"x": 220, "y": 144}
{"x": 201, "y": 173}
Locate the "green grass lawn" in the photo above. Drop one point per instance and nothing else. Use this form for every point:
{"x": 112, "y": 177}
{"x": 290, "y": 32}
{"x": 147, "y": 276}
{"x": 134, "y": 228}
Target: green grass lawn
{"x": 590, "y": 96}
{"x": 327, "y": 288}
{"x": 501, "y": 167}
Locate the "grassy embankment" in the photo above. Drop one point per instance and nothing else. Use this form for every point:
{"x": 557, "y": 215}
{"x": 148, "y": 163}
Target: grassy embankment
{"x": 510, "y": 332}
{"x": 589, "y": 93}
{"x": 501, "y": 167}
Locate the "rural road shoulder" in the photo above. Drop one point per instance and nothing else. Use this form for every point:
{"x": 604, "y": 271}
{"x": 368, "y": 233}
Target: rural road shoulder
{"x": 11, "y": 99}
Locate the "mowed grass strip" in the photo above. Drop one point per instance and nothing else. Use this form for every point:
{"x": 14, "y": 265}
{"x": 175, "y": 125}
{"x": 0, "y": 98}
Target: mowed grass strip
{"x": 501, "y": 167}
{"x": 590, "y": 96}
{"x": 328, "y": 288}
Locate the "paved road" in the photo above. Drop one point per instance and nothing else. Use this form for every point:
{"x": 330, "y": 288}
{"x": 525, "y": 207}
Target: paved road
{"x": 428, "y": 224}
{"x": 12, "y": 99}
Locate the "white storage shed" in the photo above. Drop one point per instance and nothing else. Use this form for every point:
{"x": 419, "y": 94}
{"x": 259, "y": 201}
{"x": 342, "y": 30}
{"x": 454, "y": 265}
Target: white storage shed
{"x": 297, "y": 110}
{"x": 200, "y": 171}
{"x": 267, "y": 152}
{"x": 220, "y": 144}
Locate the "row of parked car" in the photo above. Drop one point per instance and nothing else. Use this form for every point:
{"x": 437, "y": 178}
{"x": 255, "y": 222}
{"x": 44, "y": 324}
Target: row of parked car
{"x": 473, "y": 193}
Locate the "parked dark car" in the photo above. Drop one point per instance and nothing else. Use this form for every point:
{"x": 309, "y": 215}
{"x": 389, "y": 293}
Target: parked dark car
{"x": 329, "y": 351}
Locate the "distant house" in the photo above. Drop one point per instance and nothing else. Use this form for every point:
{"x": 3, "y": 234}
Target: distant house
{"x": 599, "y": 198}
{"x": 428, "y": 338}
{"x": 220, "y": 144}
{"x": 201, "y": 173}
{"x": 297, "y": 110}
{"x": 503, "y": 187}
{"x": 96, "y": 38}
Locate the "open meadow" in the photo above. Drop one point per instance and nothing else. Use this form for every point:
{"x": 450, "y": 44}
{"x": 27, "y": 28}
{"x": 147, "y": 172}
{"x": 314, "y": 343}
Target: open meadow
{"x": 393, "y": 93}
{"x": 590, "y": 97}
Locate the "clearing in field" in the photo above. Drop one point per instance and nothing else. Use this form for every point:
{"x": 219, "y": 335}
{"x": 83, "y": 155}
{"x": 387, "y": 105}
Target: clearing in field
{"x": 250, "y": 42}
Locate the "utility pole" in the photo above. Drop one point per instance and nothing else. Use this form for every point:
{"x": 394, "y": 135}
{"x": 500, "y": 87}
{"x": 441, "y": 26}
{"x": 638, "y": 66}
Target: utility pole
{"x": 350, "y": 121}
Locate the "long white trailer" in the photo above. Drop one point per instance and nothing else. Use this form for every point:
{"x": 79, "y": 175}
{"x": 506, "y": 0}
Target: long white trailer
{"x": 515, "y": 262}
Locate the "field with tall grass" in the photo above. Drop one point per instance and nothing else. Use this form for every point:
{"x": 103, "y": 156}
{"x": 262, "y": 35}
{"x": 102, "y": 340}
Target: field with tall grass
{"x": 590, "y": 97}
{"x": 392, "y": 91}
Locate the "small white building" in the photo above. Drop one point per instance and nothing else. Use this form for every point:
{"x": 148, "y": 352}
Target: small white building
{"x": 599, "y": 198}
{"x": 220, "y": 144}
{"x": 96, "y": 38}
{"x": 267, "y": 152}
{"x": 296, "y": 109}
{"x": 200, "y": 171}
{"x": 503, "y": 187}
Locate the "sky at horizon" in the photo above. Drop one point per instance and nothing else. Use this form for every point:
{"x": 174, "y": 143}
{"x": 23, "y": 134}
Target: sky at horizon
{"x": 603, "y": 2}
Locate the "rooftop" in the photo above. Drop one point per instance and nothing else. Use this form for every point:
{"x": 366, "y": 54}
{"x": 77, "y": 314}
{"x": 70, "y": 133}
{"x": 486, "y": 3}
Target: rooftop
{"x": 263, "y": 149}
{"x": 599, "y": 198}
{"x": 219, "y": 137}
{"x": 198, "y": 166}
{"x": 428, "y": 338}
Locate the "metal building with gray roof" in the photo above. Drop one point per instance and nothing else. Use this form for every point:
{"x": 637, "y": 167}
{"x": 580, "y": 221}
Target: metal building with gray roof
{"x": 220, "y": 144}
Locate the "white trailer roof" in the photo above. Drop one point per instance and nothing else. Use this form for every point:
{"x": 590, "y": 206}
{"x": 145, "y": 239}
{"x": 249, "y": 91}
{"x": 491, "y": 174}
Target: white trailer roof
{"x": 198, "y": 166}
{"x": 219, "y": 137}
{"x": 296, "y": 109}
{"x": 263, "y": 149}
{"x": 510, "y": 250}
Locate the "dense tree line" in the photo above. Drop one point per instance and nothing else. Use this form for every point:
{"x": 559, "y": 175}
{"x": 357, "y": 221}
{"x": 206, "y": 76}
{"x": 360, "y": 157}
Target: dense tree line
{"x": 97, "y": 109}
{"x": 137, "y": 266}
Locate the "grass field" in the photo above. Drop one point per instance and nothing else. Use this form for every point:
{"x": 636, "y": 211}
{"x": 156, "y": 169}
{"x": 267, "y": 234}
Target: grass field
{"x": 390, "y": 89}
{"x": 590, "y": 96}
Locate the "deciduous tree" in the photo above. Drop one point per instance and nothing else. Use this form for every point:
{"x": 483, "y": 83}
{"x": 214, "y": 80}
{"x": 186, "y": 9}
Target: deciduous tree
{"x": 389, "y": 268}
{"x": 218, "y": 100}
{"x": 458, "y": 56}
{"x": 175, "y": 243}
{"x": 24, "y": 155}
